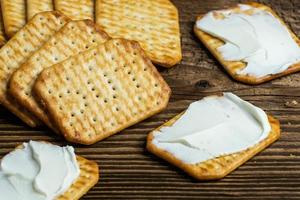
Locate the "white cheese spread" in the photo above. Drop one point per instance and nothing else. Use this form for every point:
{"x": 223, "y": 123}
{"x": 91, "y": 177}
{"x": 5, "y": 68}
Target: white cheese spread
{"x": 259, "y": 39}
{"x": 39, "y": 171}
{"x": 212, "y": 127}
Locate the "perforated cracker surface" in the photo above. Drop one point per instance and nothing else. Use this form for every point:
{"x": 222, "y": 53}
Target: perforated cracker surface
{"x": 154, "y": 24}
{"x": 219, "y": 167}
{"x": 232, "y": 67}
{"x": 74, "y": 37}
{"x": 102, "y": 91}
{"x": 76, "y": 9}
{"x": 17, "y": 50}
{"x": 36, "y": 6}
{"x": 14, "y": 15}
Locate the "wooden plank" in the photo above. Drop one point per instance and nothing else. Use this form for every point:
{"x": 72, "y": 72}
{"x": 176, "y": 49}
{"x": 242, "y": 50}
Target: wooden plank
{"x": 129, "y": 172}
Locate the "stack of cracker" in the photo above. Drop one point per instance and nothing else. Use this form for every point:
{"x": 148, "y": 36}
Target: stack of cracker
{"x": 63, "y": 70}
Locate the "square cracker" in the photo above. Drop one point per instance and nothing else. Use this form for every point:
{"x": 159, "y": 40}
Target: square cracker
{"x": 88, "y": 178}
{"x": 76, "y": 9}
{"x": 14, "y": 15}
{"x": 219, "y": 167}
{"x": 36, "y": 6}
{"x": 2, "y": 34}
{"x": 102, "y": 91}
{"x": 19, "y": 48}
{"x": 74, "y": 37}
{"x": 212, "y": 43}
{"x": 154, "y": 24}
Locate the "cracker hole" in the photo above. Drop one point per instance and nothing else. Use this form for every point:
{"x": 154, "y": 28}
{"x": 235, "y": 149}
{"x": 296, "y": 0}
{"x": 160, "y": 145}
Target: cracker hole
{"x": 91, "y": 68}
{"x": 129, "y": 72}
{"x": 117, "y": 109}
{"x": 94, "y": 119}
{"x": 67, "y": 78}
{"x": 157, "y": 103}
{"x": 56, "y": 59}
{"x": 138, "y": 86}
{"x": 81, "y": 111}
{"x": 139, "y": 98}
{"x": 114, "y": 88}
{"x": 49, "y": 91}
{"x": 109, "y": 81}
{"x": 105, "y": 101}
{"x": 84, "y": 97}
{"x": 73, "y": 42}
{"x": 71, "y": 124}
{"x": 85, "y": 104}
{"x": 41, "y": 18}
{"x": 93, "y": 41}
{"x": 60, "y": 108}
{"x": 26, "y": 93}
{"x": 68, "y": 91}
{"x": 72, "y": 114}
{"x": 87, "y": 47}
{"x": 133, "y": 79}
{"x": 134, "y": 53}
{"x": 77, "y": 92}
{"x": 93, "y": 89}
{"x": 155, "y": 85}
{"x": 97, "y": 95}
{"x": 114, "y": 96}
{"x": 60, "y": 95}
{"x": 112, "y": 124}
{"x": 145, "y": 69}
{"x": 37, "y": 59}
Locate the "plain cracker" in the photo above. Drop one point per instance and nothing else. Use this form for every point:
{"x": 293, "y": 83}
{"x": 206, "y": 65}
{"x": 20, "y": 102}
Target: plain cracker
{"x": 36, "y": 6}
{"x": 89, "y": 176}
{"x": 219, "y": 167}
{"x": 74, "y": 37}
{"x": 17, "y": 50}
{"x": 212, "y": 43}
{"x": 14, "y": 16}
{"x": 76, "y": 9}
{"x": 102, "y": 91}
{"x": 154, "y": 24}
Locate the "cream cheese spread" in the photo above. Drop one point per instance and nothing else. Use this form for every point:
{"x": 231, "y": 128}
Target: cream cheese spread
{"x": 212, "y": 127}
{"x": 260, "y": 40}
{"x": 39, "y": 171}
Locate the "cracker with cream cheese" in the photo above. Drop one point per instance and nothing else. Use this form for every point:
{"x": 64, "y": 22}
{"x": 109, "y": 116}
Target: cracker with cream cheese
{"x": 215, "y": 168}
{"x": 88, "y": 178}
{"x": 232, "y": 67}
{"x": 154, "y": 24}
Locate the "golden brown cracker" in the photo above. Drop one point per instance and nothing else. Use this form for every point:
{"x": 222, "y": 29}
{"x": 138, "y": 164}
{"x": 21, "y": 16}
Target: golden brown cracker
{"x": 154, "y": 24}
{"x": 36, "y": 6}
{"x": 74, "y": 37}
{"x": 19, "y": 48}
{"x": 102, "y": 91}
{"x": 14, "y": 15}
{"x": 76, "y": 9}
{"x": 219, "y": 167}
{"x": 232, "y": 67}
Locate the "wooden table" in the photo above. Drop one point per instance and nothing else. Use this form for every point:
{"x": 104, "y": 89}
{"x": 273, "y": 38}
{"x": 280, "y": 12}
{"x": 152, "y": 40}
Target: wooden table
{"x": 128, "y": 171}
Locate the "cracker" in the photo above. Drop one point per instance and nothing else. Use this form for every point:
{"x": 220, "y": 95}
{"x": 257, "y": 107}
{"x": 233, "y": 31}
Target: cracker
{"x": 76, "y": 9}
{"x": 219, "y": 167}
{"x": 19, "y": 48}
{"x": 36, "y": 6}
{"x": 14, "y": 15}
{"x": 102, "y": 91}
{"x": 2, "y": 34}
{"x": 74, "y": 37}
{"x": 212, "y": 43}
{"x": 154, "y": 24}
{"x": 88, "y": 178}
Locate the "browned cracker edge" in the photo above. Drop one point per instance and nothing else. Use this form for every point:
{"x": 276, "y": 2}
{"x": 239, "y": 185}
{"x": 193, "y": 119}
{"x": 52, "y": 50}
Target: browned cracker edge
{"x": 251, "y": 80}
{"x": 166, "y": 90}
{"x": 195, "y": 171}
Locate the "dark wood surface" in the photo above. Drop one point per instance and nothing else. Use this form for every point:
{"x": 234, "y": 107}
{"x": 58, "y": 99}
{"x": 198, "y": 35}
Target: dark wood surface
{"x": 128, "y": 171}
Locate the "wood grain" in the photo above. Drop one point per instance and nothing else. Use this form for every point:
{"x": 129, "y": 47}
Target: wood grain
{"x": 129, "y": 172}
